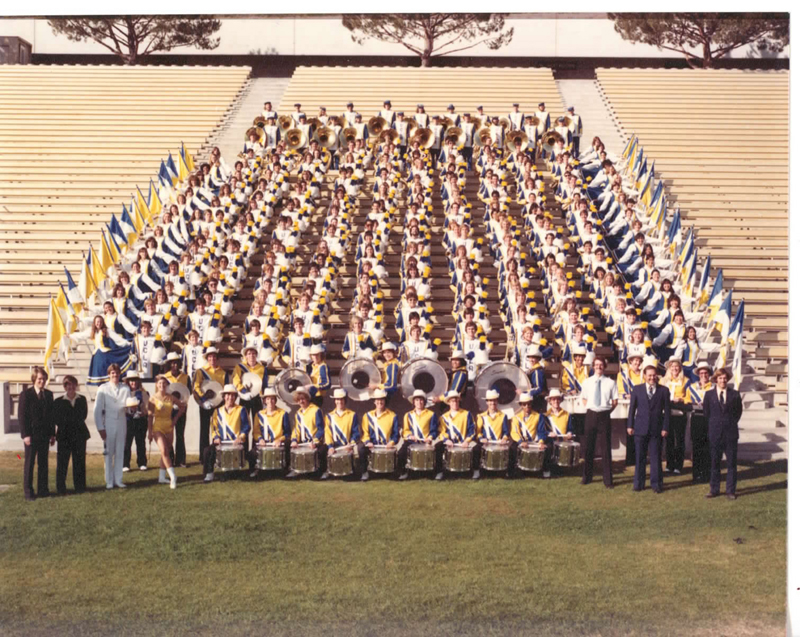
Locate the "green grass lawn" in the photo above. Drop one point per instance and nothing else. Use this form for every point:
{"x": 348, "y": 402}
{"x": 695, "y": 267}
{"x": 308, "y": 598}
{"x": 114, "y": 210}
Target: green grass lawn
{"x": 496, "y": 557}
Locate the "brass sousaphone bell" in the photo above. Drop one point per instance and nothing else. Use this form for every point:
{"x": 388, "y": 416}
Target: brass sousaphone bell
{"x": 446, "y": 122}
{"x": 349, "y": 134}
{"x": 389, "y": 136}
{"x": 424, "y": 136}
{"x": 295, "y": 139}
{"x": 456, "y": 135}
{"x": 505, "y": 122}
{"x": 516, "y": 136}
{"x": 376, "y": 125}
{"x": 412, "y": 126}
{"x": 485, "y": 135}
{"x": 314, "y": 122}
{"x": 260, "y": 121}
{"x": 424, "y": 374}
{"x": 549, "y": 140}
{"x": 285, "y": 122}
{"x": 325, "y": 136}
{"x": 336, "y": 120}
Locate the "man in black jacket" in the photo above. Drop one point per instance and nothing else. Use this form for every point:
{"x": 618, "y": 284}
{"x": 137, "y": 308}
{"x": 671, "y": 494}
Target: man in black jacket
{"x": 648, "y": 423}
{"x": 38, "y": 431}
{"x": 69, "y": 413}
{"x": 722, "y": 407}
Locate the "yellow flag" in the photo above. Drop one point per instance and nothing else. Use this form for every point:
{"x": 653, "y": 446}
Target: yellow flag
{"x": 98, "y": 273}
{"x": 112, "y": 248}
{"x": 183, "y": 169}
{"x": 106, "y": 258}
{"x": 141, "y": 205}
{"x": 55, "y": 331}
{"x": 86, "y": 283}
{"x": 189, "y": 158}
{"x": 155, "y": 202}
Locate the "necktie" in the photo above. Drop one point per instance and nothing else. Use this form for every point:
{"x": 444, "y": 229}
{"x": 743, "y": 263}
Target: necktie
{"x": 722, "y": 398}
{"x": 650, "y": 391}
{"x": 597, "y": 393}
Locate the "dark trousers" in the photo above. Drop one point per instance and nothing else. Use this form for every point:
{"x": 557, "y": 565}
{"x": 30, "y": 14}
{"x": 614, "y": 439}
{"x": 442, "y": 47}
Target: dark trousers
{"x": 701, "y": 457}
{"x": 597, "y": 422}
{"x": 180, "y": 443}
{"x": 730, "y": 446}
{"x": 676, "y": 442}
{"x": 205, "y": 429}
{"x": 648, "y": 446}
{"x": 76, "y": 449}
{"x": 630, "y": 451}
{"x": 576, "y": 146}
{"x": 402, "y": 455}
{"x": 253, "y": 406}
{"x": 36, "y": 452}
{"x": 136, "y": 430}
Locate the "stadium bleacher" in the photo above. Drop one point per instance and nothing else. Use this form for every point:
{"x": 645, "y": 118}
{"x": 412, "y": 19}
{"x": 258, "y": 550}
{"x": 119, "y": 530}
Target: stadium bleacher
{"x": 77, "y": 141}
{"x": 720, "y": 139}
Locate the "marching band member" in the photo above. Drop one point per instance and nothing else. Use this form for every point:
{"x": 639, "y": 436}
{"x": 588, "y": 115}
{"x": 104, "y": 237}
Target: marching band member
{"x": 136, "y": 423}
{"x": 493, "y": 426}
{"x": 378, "y": 427}
{"x": 230, "y": 423}
{"x": 309, "y": 429}
{"x": 320, "y": 376}
{"x": 556, "y": 423}
{"x": 210, "y": 372}
{"x": 420, "y": 426}
{"x": 270, "y": 428}
{"x": 250, "y": 398}
{"x": 457, "y": 427}
{"x": 342, "y": 431}
{"x": 576, "y": 128}
{"x": 516, "y": 117}
{"x": 676, "y": 382}
{"x": 524, "y": 427}
{"x": 175, "y": 375}
{"x": 694, "y": 395}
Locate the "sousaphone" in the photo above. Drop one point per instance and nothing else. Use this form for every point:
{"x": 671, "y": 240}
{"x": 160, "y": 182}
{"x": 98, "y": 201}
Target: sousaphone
{"x": 549, "y": 140}
{"x": 357, "y": 375}
{"x": 295, "y": 139}
{"x": 211, "y": 391}
{"x": 349, "y": 134}
{"x": 424, "y": 374}
{"x": 289, "y": 381}
{"x": 325, "y": 136}
{"x": 285, "y": 122}
{"x": 505, "y": 122}
{"x": 376, "y": 125}
{"x": 389, "y": 136}
{"x": 516, "y": 136}
{"x": 506, "y": 379}
{"x": 485, "y": 135}
{"x": 424, "y": 136}
{"x": 446, "y": 122}
{"x": 412, "y": 126}
{"x": 456, "y": 135}
{"x": 336, "y": 120}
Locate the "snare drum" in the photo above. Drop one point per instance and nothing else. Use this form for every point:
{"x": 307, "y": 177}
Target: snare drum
{"x": 494, "y": 457}
{"x": 270, "y": 458}
{"x": 340, "y": 463}
{"x": 458, "y": 459}
{"x": 382, "y": 459}
{"x": 620, "y": 412}
{"x": 567, "y": 453}
{"x": 421, "y": 457}
{"x": 230, "y": 457}
{"x": 304, "y": 460}
{"x": 531, "y": 458}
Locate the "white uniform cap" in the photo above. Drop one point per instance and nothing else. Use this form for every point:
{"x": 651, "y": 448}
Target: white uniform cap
{"x": 492, "y": 395}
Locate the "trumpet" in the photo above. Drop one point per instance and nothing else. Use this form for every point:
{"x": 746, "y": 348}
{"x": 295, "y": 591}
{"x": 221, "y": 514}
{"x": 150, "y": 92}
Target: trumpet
{"x": 376, "y": 126}
{"x": 295, "y": 139}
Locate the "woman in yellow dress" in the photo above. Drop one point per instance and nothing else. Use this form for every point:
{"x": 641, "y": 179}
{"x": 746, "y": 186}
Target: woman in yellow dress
{"x": 165, "y": 410}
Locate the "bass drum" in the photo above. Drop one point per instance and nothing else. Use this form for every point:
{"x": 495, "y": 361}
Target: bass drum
{"x": 424, "y": 374}
{"x": 506, "y": 379}
{"x": 356, "y": 376}
{"x": 289, "y": 381}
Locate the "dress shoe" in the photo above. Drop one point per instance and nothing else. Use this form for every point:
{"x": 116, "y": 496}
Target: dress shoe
{"x": 609, "y": 486}
{"x": 731, "y": 496}
{"x": 119, "y": 485}
{"x": 658, "y": 490}
{"x": 637, "y": 489}
{"x": 711, "y": 494}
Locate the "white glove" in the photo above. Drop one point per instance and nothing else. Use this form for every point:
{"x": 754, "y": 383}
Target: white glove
{"x": 207, "y": 404}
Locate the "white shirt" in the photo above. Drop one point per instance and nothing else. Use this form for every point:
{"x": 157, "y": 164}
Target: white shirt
{"x": 608, "y": 392}
{"x": 109, "y": 406}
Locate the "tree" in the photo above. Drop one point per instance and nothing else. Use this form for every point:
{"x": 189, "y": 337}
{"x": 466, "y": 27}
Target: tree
{"x": 430, "y": 34}
{"x": 716, "y": 34}
{"x": 132, "y": 38}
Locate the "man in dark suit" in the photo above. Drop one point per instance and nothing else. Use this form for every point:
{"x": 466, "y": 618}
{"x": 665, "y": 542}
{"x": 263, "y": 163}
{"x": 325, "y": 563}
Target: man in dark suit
{"x": 722, "y": 407}
{"x": 648, "y": 423}
{"x": 38, "y": 431}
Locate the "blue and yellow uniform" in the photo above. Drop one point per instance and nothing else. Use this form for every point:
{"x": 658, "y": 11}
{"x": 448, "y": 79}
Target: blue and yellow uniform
{"x": 341, "y": 429}
{"x": 380, "y": 430}
{"x": 206, "y": 415}
{"x": 458, "y": 427}
{"x": 271, "y": 427}
{"x": 458, "y": 380}
{"x": 320, "y": 380}
{"x": 701, "y": 454}
{"x": 538, "y": 380}
{"x": 627, "y": 379}
{"x": 421, "y": 426}
{"x": 559, "y": 422}
{"x": 695, "y": 393}
{"x": 390, "y": 374}
{"x": 494, "y": 427}
{"x": 309, "y": 425}
{"x": 525, "y": 428}
{"x": 230, "y": 426}
{"x": 572, "y": 378}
